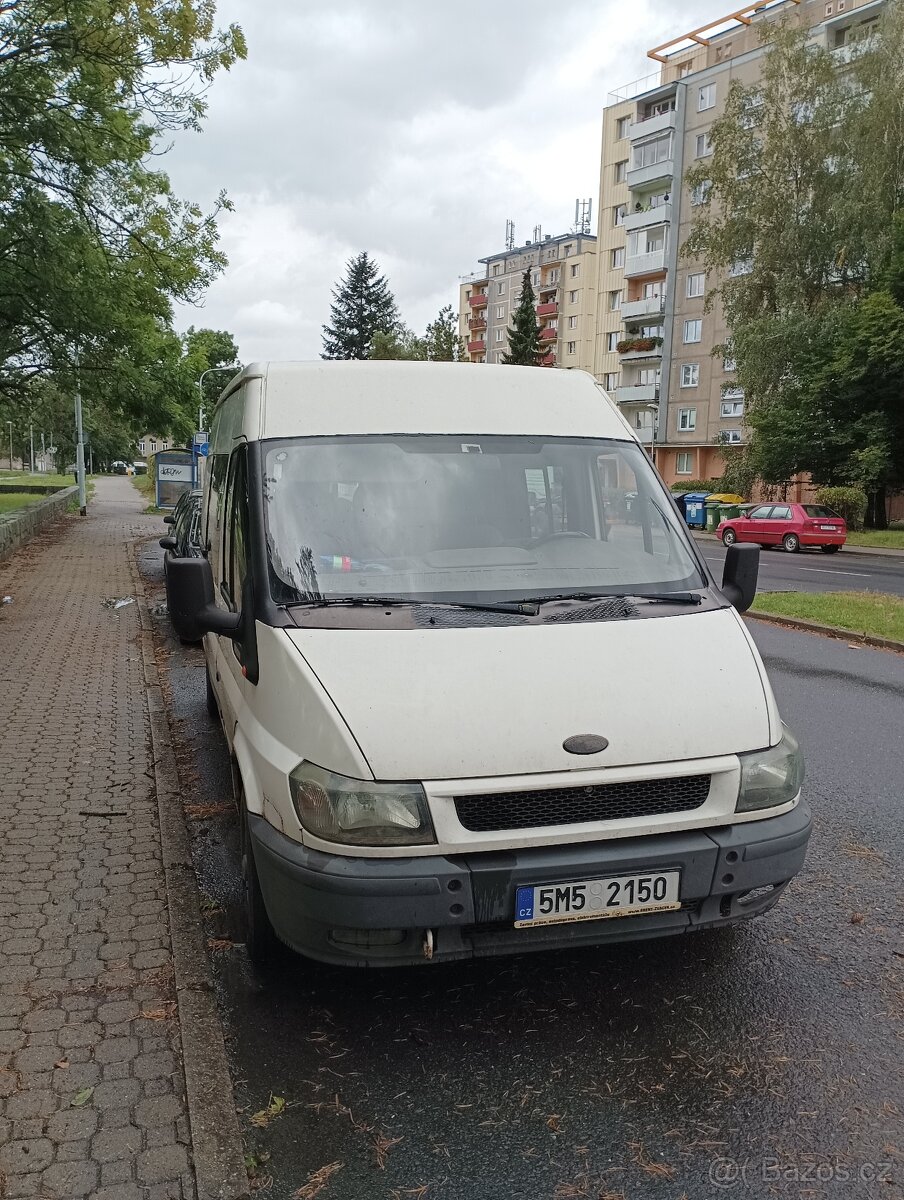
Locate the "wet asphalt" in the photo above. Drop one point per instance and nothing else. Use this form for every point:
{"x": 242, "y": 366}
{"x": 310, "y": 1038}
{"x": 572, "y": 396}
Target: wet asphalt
{"x": 766, "y": 1060}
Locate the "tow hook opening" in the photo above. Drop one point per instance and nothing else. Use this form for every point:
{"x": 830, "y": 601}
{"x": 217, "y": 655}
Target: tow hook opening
{"x": 428, "y": 944}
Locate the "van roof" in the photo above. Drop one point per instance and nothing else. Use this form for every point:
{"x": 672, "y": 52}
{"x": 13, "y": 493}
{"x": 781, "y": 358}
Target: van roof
{"x": 323, "y": 398}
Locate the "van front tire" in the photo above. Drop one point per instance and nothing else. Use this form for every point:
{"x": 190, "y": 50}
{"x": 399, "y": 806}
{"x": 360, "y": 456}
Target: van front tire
{"x": 261, "y": 942}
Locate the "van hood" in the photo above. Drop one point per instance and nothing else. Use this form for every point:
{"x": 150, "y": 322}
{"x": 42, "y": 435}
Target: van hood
{"x": 467, "y": 703}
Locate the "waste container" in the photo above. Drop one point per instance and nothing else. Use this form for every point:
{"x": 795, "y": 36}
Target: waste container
{"x": 679, "y": 498}
{"x": 712, "y": 517}
{"x": 695, "y": 509}
{"x": 728, "y": 511}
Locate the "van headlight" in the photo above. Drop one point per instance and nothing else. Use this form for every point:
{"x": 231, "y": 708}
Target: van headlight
{"x": 771, "y": 777}
{"x": 359, "y": 813}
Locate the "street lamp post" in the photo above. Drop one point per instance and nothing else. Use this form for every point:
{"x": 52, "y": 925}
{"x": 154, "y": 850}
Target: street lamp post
{"x": 10, "y": 424}
{"x": 80, "y": 446}
{"x": 231, "y": 367}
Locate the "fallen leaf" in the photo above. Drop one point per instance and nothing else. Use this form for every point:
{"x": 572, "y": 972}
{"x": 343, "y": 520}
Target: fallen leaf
{"x": 275, "y": 1108}
{"x": 857, "y": 918}
{"x": 317, "y": 1181}
{"x": 62, "y": 1064}
{"x": 81, "y": 1097}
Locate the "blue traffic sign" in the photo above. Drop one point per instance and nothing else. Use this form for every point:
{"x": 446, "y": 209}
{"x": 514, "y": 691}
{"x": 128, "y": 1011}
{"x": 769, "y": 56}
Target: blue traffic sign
{"x": 202, "y": 449}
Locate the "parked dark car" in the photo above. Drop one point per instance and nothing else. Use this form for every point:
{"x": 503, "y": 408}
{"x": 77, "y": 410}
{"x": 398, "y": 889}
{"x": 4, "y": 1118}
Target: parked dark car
{"x": 185, "y": 539}
{"x": 118, "y": 467}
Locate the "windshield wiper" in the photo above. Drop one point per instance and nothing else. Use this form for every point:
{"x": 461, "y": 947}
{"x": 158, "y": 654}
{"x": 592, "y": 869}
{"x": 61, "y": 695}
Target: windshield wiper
{"x": 667, "y": 597}
{"x": 652, "y": 597}
{"x": 527, "y": 608}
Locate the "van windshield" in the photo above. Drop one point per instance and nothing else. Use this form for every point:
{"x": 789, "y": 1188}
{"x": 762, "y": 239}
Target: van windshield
{"x": 468, "y": 517}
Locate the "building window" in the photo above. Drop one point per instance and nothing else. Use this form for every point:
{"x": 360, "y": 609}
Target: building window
{"x": 618, "y": 214}
{"x": 685, "y": 69}
{"x": 731, "y": 408}
{"x": 618, "y": 256}
{"x": 610, "y": 381}
{"x": 554, "y": 276}
{"x": 615, "y": 301}
{"x": 732, "y": 436}
{"x": 497, "y": 267}
{"x": 690, "y": 374}
{"x": 572, "y": 322}
{"x": 153, "y": 445}
{"x": 570, "y": 347}
{"x": 499, "y": 335}
{"x": 687, "y": 419}
{"x": 141, "y": 446}
{"x": 500, "y": 288}
{"x": 575, "y": 270}
{"x": 622, "y": 125}
{"x": 500, "y": 312}
{"x": 612, "y": 340}
{"x": 683, "y": 463}
{"x": 700, "y": 194}
{"x": 535, "y": 278}
{"x": 706, "y": 97}
{"x": 703, "y": 145}
{"x": 164, "y": 445}
{"x": 621, "y": 171}
{"x": 743, "y": 266}
{"x": 656, "y": 150}
{"x": 693, "y": 331}
{"x": 696, "y": 285}
{"x": 729, "y": 364}
{"x": 569, "y": 249}
{"x": 573, "y": 297}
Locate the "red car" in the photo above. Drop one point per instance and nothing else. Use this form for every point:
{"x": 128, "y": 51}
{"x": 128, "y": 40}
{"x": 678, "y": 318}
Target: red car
{"x": 790, "y": 526}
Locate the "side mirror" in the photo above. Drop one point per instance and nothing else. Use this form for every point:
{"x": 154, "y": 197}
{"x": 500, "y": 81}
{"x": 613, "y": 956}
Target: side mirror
{"x": 168, "y": 543}
{"x": 169, "y": 519}
{"x": 742, "y": 566}
{"x": 192, "y": 608}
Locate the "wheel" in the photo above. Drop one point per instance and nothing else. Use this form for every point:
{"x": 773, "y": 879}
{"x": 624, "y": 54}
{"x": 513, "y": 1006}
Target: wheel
{"x": 791, "y": 543}
{"x": 830, "y": 549}
{"x": 729, "y": 537}
{"x": 213, "y": 709}
{"x": 261, "y": 942}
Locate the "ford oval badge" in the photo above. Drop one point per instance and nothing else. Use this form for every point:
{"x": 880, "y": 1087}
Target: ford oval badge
{"x": 585, "y": 743}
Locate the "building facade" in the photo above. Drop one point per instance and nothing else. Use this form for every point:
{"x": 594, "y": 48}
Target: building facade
{"x": 564, "y": 279}
{"x": 655, "y": 340}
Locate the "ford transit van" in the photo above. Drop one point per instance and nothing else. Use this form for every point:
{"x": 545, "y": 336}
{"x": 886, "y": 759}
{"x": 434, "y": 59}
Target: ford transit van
{"x": 481, "y": 692}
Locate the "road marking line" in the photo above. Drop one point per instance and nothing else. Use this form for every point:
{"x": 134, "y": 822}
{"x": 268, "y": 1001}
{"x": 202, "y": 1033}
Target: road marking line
{"x": 825, "y": 571}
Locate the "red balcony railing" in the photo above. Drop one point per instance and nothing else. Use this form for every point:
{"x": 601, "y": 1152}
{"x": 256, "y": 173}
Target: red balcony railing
{"x": 547, "y": 310}
{"x": 548, "y": 360}
{"x": 476, "y": 347}
{"x": 477, "y": 323}
{"x": 478, "y": 301}
{"x": 548, "y": 335}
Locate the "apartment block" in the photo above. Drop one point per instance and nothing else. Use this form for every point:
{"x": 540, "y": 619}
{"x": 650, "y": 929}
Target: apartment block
{"x": 655, "y": 341}
{"x": 564, "y": 279}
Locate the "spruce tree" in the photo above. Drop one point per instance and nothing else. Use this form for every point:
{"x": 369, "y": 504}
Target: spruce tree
{"x": 442, "y": 339}
{"x": 362, "y": 307}
{"x": 524, "y": 335}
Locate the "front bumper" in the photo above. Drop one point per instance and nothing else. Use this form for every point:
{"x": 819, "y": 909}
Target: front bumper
{"x": 390, "y": 912}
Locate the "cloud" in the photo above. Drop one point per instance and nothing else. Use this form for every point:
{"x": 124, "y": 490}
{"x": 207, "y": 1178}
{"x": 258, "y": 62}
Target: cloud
{"x": 405, "y": 128}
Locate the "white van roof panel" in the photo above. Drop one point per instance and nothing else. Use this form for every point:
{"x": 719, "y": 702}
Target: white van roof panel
{"x": 310, "y": 399}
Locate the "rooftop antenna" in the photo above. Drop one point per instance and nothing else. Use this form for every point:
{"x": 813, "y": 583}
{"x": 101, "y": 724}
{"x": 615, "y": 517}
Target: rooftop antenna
{"x": 510, "y": 235}
{"x": 538, "y": 232}
{"x": 583, "y": 210}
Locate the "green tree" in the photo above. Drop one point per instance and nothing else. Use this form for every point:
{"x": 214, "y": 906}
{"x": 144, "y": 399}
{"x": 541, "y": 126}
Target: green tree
{"x": 94, "y": 245}
{"x": 442, "y": 339}
{"x": 400, "y": 344}
{"x": 524, "y": 335}
{"x": 799, "y": 223}
{"x": 363, "y": 306}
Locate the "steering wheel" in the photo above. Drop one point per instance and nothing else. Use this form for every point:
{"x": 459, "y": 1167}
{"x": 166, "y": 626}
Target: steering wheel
{"x": 568, "y": 533}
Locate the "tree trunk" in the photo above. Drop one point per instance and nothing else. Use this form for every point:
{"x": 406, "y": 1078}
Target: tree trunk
{"x": 876, "y": 510}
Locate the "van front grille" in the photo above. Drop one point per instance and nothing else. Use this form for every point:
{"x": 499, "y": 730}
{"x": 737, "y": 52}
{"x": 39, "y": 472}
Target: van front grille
{"x": 572, "y": 805}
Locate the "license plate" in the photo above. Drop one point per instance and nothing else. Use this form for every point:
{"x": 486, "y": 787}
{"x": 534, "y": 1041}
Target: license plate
{"x": 829, "y": 528}
{"x": 596, "y": 899}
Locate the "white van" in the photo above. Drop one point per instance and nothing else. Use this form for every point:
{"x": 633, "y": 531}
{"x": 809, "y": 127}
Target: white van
{"x": 481, "y": 692}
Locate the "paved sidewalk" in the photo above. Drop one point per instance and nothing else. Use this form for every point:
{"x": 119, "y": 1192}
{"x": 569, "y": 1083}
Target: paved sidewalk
{"x": 92, "y": 1090}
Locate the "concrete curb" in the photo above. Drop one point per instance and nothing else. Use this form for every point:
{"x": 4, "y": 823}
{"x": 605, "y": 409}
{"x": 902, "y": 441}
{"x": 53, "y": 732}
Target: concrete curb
{"x": 878, "y": 551}
{"x": 216, "y": 1140}
{"x": 18, "y": 527}
{"x": 833, "y": 631}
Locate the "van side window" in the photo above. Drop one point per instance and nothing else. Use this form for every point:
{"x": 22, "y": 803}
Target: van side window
{"x": 235, "y": 549}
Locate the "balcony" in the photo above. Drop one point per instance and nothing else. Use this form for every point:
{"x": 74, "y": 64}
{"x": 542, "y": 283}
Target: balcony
{"x": 477, "y": 323}
{"x": 661, "y": 172}
{"x": 658, "y": 124}
{"x": 548, "y": 335}
{"x": 645, "y": 264}
{"x": 548, "y": 360}
{"x": 551, "y": 285}
{"x": 660, "y": 215}
{"x": 649, "y": 306}
{"x": 479, "y": 301}
{"x": 549, "y": 309}
{"x": 478, "y": 347}
{"x": 474, "y": 277}
{"x": 633, "y": 349}
{"x": 637, "y": 393}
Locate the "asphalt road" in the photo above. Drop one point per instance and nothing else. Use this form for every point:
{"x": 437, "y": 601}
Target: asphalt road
{"x": 762, "y": 1061}
{"x": 813, "y": 571}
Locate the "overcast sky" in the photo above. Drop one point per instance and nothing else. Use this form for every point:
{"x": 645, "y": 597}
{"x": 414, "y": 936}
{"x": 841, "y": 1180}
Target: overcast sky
{"x": 408, "y": 128}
